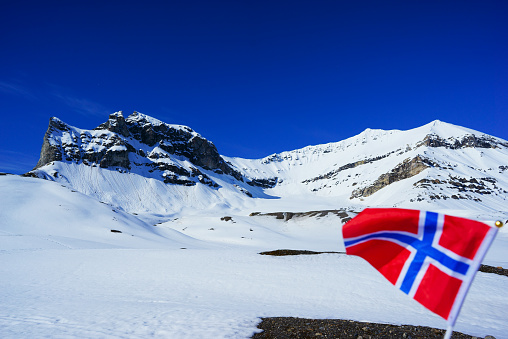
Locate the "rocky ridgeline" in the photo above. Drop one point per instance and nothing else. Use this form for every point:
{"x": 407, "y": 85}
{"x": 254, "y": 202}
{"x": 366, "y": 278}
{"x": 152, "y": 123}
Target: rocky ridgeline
{"x": 139, "y": 141}
{"x": 362, "y": 165}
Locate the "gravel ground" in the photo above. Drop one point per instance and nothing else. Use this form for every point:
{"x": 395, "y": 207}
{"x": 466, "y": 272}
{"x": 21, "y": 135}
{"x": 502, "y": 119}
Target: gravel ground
{"x": 282, "y": 328}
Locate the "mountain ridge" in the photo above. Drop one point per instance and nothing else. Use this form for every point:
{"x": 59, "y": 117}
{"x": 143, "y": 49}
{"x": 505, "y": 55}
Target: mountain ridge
{"x": 127, "y": 161}
{"x": 99, "y": 147}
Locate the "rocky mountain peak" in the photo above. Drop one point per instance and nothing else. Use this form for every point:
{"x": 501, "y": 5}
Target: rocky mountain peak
{"x": 136, "y": 142}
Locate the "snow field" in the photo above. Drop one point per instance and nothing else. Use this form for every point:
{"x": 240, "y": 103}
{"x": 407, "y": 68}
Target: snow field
{"x": 64, "y": 274}
{"x": 118, "y": 293}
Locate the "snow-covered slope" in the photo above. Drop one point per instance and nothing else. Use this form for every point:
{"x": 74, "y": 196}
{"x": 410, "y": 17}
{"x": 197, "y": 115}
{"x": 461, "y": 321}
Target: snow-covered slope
{"x": 41, "y": 214}
{"x": 63, "y": 273}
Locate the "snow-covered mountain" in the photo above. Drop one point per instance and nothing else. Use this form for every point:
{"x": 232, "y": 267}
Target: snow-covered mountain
{"x": 438, "y": 165}
{"x": 143, "y": 165}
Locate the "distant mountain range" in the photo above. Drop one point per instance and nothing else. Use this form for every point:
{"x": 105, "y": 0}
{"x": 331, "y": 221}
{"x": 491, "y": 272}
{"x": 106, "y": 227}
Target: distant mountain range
{"x": 143, "y": 165}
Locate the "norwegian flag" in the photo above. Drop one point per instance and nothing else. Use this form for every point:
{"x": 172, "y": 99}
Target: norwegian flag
{"x": 429, "y": 256}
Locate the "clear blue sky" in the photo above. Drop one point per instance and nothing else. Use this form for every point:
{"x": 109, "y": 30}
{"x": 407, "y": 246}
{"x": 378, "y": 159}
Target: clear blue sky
{"x": 254, "y": 77}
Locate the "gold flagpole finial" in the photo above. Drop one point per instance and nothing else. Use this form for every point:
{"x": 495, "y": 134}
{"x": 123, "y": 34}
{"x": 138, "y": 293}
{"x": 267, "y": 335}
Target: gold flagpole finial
{"x": 499, "y": 223}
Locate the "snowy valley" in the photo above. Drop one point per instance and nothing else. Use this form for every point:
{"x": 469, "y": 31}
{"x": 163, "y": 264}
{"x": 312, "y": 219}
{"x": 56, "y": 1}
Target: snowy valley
{"x": 139, "y": 228}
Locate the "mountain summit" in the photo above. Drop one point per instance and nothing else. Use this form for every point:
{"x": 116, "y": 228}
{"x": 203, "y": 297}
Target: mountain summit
{"x": 138, "y": 141}
{"x": 142, "y": 164}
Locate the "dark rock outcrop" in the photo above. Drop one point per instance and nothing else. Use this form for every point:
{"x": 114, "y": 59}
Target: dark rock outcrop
{"x": 344, "y": 215}
{"x": 51, "y": 152}
{"x": 408, "y": 168}
{"x": 264, "y": 183}
{"x": 467, "y": 141}
{"x": 464, "y": 188}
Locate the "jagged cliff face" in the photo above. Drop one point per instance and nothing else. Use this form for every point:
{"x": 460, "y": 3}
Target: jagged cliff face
{"x": 173, "y": 139}
{"x": 137, "y": 142}
{"x": 65, "y": 143}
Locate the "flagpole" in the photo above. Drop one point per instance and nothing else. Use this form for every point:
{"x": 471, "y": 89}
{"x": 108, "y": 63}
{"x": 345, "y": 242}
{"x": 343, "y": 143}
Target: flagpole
{"x": 449, "y": 331}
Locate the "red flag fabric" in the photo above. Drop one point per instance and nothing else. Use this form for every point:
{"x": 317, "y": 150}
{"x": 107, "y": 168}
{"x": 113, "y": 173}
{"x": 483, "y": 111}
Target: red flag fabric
{"x": 431, "y": 257}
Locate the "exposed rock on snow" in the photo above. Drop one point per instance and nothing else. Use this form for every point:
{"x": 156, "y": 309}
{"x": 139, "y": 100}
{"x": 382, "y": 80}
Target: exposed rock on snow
{"x": 407, "y": 169}
{"x": 264, "y": 183}
{"x": 51, "y": 151}
{"x": 344, "y": 215}
{"x": 470, "y": 140}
